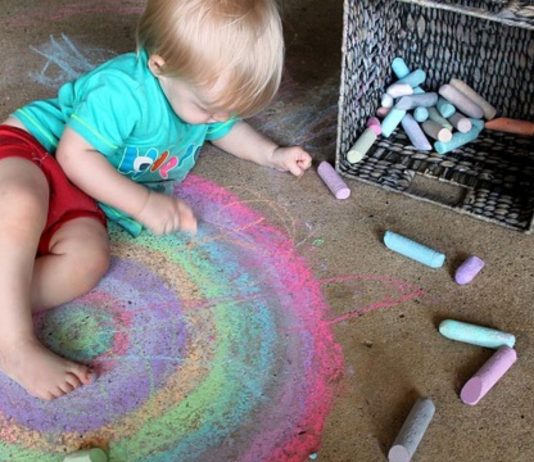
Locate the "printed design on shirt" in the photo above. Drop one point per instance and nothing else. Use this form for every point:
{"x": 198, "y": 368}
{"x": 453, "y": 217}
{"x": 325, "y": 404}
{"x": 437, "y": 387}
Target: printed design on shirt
{"x": 135, "y": 164}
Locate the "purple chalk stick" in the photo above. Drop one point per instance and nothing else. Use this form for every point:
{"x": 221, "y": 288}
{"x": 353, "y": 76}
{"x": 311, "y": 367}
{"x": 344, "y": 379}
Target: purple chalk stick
{"x": 333, "y": 180}
{"x": 468, "y": 270}
{"x": 416, "y": 135}
{"x": 488, "y": 375}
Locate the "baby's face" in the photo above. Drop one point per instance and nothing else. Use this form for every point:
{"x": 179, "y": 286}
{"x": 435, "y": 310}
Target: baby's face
{"x": 192, "y": 104}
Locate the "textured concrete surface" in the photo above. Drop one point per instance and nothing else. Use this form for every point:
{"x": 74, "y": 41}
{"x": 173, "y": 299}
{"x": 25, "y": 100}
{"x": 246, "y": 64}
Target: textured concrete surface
{"x": 393, "y": 352}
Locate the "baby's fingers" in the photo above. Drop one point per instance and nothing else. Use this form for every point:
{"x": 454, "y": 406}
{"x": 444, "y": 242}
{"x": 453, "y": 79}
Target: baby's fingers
{"x": 305, "y": 162}
{"x": 295, "y": 168}
{"x": 188, "y": 221}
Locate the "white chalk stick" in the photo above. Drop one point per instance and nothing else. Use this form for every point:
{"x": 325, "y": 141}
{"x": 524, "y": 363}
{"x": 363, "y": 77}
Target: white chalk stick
{"x": 387, "y": 100}
{"x": 399, "y": 89}
{"x": 412, "y": 431}
{"x": 434, "y": 115}
{"x": 460, "y": 122}
{"x": 487, "y": 108}
{"x": 362, "y": 145}
{"x": 462, "y": 102}
{"x": 437, "y": 131}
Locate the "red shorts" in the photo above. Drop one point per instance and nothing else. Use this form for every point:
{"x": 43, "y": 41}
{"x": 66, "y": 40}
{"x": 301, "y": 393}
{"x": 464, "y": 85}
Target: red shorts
{"x": 67, "y": 202}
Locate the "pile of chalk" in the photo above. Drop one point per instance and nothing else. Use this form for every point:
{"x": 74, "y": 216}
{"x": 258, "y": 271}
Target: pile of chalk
{"x": 451, "y": 118}
{"x": 422, "y": 412}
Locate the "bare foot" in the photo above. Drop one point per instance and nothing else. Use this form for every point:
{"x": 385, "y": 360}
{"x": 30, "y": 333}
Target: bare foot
{"x": 42, "y": 373}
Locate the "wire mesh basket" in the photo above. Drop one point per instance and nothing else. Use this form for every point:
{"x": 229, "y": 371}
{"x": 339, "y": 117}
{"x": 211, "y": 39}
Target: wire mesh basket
{"x": 489, "y": 45}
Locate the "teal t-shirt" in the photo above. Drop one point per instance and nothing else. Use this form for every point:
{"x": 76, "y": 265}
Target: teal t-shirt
{"x": 120, "y": 110}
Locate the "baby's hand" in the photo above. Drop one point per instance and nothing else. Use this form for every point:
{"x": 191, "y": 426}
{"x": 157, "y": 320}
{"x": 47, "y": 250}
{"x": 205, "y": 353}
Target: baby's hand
{"x": 292, "y": 158}
{"x": 164, "y": 214}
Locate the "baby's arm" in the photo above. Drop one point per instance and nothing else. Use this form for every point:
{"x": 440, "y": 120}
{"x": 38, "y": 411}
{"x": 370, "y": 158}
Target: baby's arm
{"x": 92, "y": 173}
{"x": 246, "y": 143}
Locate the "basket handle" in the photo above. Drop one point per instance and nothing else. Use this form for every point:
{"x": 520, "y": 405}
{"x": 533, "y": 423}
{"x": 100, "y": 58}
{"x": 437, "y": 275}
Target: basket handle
{"x": 519, "y": 13}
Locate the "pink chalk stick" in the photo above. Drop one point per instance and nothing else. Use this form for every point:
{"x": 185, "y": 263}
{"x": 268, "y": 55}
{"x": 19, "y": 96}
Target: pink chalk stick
{"x": 468, "y": 270}
{"x": 374, "y": 123}
{"x": 333, "y": 180}
{"x": 383, "y": 112}
{"x": 488, "y": 375}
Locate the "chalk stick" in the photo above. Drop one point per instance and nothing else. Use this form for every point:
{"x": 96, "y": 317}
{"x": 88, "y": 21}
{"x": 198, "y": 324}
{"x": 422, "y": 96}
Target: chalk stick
{"x": 477, "y": 123}
{"x": 399, "y": 67}
{"x": 445, "y": 108}
{"x": 488, "y": 375}
{"x": 488, "y": 110}
{"x": 434, "y": 115}
{"x": 397, "y": 90}
{"x": 413, "y": 250}
{"x": 475, "y": 335}
{"x": 332, "y": 179}
{"x": 410, "y": 102}
{"x": 387, "y": 100}
{"x": 468, "y": 270}
{"x": 374, "y": 124}
{"x": 415, "y": 134}
{"x": 412, "y": 431}
{"x": 420, "y": 114}
{"x": 437, "y": 131}
{"x": 460, "y": 122}
{"x": 515, "y": 126}
{"x": 401, "y": 70}
{"x": 362, "y": 145}
{"x": 458, "y": 140}
{"x": 414, "y": 78}
{"x": 87, "y": 455}
{"x": 391, "y": 121}
{"x": 383, "y": 112}
{"x": 461, "y": 101}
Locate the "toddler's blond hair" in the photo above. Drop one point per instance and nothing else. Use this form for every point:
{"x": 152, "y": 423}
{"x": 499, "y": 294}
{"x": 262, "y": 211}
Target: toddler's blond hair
{"x": 202, "y": 40}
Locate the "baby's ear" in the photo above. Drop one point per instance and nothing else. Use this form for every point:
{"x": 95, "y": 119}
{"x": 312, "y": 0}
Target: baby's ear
{"x": 156, "y": 64}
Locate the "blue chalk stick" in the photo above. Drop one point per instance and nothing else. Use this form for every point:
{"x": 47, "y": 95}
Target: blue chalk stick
{"x": 420, "y": 114}
{"x": 475, "y": 335}
{"x": 413, "y": 250}
{"x": 415, "y": 78}
{"x": 421, "y": 100}
{"x": 459, "y": 139}
{"x": 445, "y": 108}
{"x": 391, "y": 121}
{"x": 400, "y": 69}
{"x": 477, "y": 123}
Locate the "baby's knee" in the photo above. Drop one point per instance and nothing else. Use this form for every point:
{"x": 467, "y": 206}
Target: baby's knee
{"x": 85, "y": 245}
{"x": 93, "y": 256}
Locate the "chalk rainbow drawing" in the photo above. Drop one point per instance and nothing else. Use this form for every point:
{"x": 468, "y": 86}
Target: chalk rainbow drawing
{"x": 218, "y": 351}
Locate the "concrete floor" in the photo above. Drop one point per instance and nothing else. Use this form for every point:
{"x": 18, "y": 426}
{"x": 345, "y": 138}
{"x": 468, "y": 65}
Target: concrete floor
{"x": 393, "y": 353}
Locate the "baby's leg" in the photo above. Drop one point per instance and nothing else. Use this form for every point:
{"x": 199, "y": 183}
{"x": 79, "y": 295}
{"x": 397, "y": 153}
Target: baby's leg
{"x": 79, "y": 257}
{"x": 23, "y": 211}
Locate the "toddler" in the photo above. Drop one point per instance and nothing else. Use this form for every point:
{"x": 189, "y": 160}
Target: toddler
{"x": 110, "y": 136}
